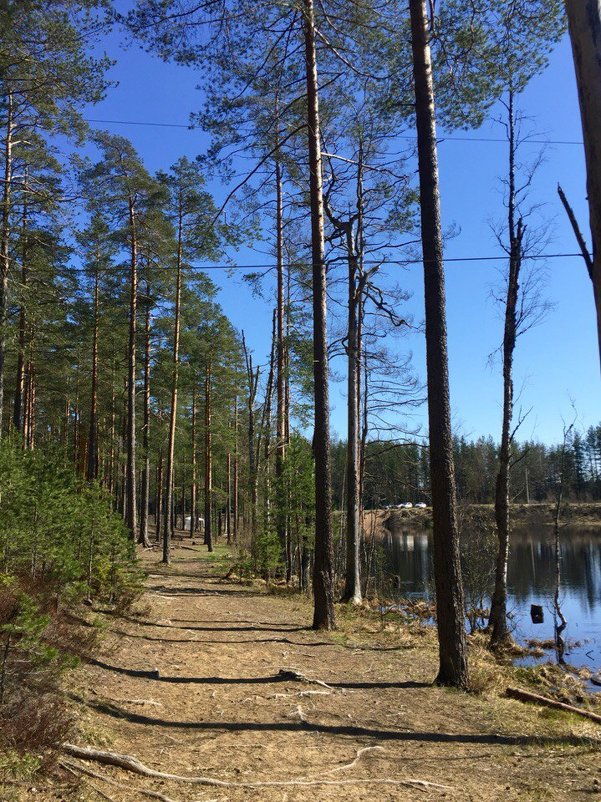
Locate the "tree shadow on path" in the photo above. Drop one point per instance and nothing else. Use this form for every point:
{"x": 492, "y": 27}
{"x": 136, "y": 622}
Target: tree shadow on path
{"x": 328, "y": 729}
{"x": 284, "y": 676}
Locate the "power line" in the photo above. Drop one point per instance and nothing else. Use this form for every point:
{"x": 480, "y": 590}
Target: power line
{"x": 441, "y": 139}
{"x": 382, "y": 262}
{"x": 139, "y": 122}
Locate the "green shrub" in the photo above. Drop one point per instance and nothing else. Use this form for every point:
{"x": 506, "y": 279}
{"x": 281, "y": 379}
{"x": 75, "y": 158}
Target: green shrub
{"x": 60, "y": 545}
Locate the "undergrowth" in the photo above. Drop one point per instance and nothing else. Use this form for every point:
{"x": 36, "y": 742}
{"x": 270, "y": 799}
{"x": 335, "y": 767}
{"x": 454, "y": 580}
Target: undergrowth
{"x": 61, "y": 548}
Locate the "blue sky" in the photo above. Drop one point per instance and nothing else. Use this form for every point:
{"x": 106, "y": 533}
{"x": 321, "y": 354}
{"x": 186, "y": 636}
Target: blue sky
{"x": 556, "y": 363}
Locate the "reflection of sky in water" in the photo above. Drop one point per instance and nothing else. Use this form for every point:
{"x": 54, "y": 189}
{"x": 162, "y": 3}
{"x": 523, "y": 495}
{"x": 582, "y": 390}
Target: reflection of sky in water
{"x": 531, "y": 580}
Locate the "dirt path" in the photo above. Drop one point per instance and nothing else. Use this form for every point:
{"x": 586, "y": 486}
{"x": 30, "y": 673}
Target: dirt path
{"x": 218, "y": 708}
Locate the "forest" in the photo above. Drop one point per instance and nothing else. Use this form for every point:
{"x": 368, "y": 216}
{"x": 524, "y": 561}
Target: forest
{"x": 137, "y": 420}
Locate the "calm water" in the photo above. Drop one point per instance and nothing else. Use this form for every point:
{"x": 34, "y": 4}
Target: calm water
{"x": 531, "y": 580}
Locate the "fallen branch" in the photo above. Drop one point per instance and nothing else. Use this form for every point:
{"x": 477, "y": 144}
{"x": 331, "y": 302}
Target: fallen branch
{"x": 527, "y": 696}
{"x": 130, "y": 763}
{"x": 296, "y": 676}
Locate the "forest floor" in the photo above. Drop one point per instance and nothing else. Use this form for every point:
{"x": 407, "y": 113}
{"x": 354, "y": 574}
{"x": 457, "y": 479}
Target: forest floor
{"x": 370, "y": 727}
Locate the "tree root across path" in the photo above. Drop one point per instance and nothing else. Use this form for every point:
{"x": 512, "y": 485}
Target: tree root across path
{"x": 130, "y": 763}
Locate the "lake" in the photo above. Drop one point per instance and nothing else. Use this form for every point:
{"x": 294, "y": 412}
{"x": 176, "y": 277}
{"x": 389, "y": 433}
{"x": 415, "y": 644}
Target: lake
{"x": 531, "y": 580}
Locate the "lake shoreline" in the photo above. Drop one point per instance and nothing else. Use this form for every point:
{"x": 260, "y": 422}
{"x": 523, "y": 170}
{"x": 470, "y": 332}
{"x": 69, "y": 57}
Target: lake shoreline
{"x": 575, "y": 515}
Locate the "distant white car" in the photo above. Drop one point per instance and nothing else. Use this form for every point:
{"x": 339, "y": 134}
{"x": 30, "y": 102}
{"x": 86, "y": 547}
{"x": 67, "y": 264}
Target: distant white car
{"x": 199, "y": 522}
{"x": 421, "y": 505}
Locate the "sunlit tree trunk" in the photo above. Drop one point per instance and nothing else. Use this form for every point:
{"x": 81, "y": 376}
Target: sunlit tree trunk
{"x": 5, "y": 242}
{"x": 323, "y": 580}
{"x": 145, "y": 483}
{"x": 235, "y": 511}
{"x": 158, "y": 518}
{"x": 92, "y": 461}
{"x": 208, "y": 461}
{"x": 280, "y": 451}
{"x": 453, "y": 669}
{"x": 194, "y": 486}
{"x": 173, "y": 410}
{"x": 20, "y": 380}
{"x": 131, "y": 511}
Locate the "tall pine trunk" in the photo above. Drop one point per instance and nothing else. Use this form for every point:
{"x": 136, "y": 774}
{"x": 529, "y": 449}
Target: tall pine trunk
{"x": 194, "y": 483}
{"x": 20, "y": 380}
{"x": 453, "y": 668}
{"x": 208, "y": 539}
{"x": 92, "y": 460}
{"x": 5, "y": 244}
{"x": 584, "y": 20}
{"x": 323, "y": 579}
{"x": 131, "y": 511}
{"x": 280, "y": 448}
{"x": 173, "y": 411}
{"x": 145, "y": 481}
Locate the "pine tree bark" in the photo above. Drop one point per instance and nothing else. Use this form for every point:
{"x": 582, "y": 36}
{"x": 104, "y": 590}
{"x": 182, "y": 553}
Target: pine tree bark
{"x": 235, "y": 512}
{"x": 453, "y": 668}
{"x": 228, "y": 501}
{"x": 208, "y": 539}
{"x": 158, "y": 517}
{"x": 584, "y": 21}
{"x": 92, "y": 460}
{"x": 174, "y": 381}
{"x": 20, "y": 379}
{"x": 280, "y": 449}
{"x": 194, "y": 486}
{"x": 131, "y": 511}
{"x": 5, "y": 244}
{"x": 145, "y": 480}
{"x": 323, "y": 578}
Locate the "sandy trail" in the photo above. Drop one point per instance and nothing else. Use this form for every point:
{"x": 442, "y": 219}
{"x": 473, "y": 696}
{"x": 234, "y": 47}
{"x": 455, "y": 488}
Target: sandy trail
{"x": 221, "y": 707}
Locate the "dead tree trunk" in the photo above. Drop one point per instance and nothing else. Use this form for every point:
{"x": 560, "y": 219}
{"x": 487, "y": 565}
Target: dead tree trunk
{"x": 323, "y": 580}
{"x": 584, "y": 20}
{"x": 498, "y": 612}
{"x": 453, "y": 668}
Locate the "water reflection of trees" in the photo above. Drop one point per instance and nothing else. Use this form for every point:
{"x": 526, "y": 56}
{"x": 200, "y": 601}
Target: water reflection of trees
{"x": 531, "y": 566}
{"x": 409, "y": 558}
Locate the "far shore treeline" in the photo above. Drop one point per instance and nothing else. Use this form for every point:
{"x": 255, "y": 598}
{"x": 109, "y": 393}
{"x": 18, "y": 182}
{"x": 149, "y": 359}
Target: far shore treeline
{"x": 400, "y": 472}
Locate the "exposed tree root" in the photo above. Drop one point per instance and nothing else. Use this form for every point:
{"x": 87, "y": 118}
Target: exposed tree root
{"x": 296, "y": 676}
{"x": 358, "y": 757}
{"x": 130, "y": 763}
{"x": 527, "y": 696}
{"x": 73, "y": 767}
